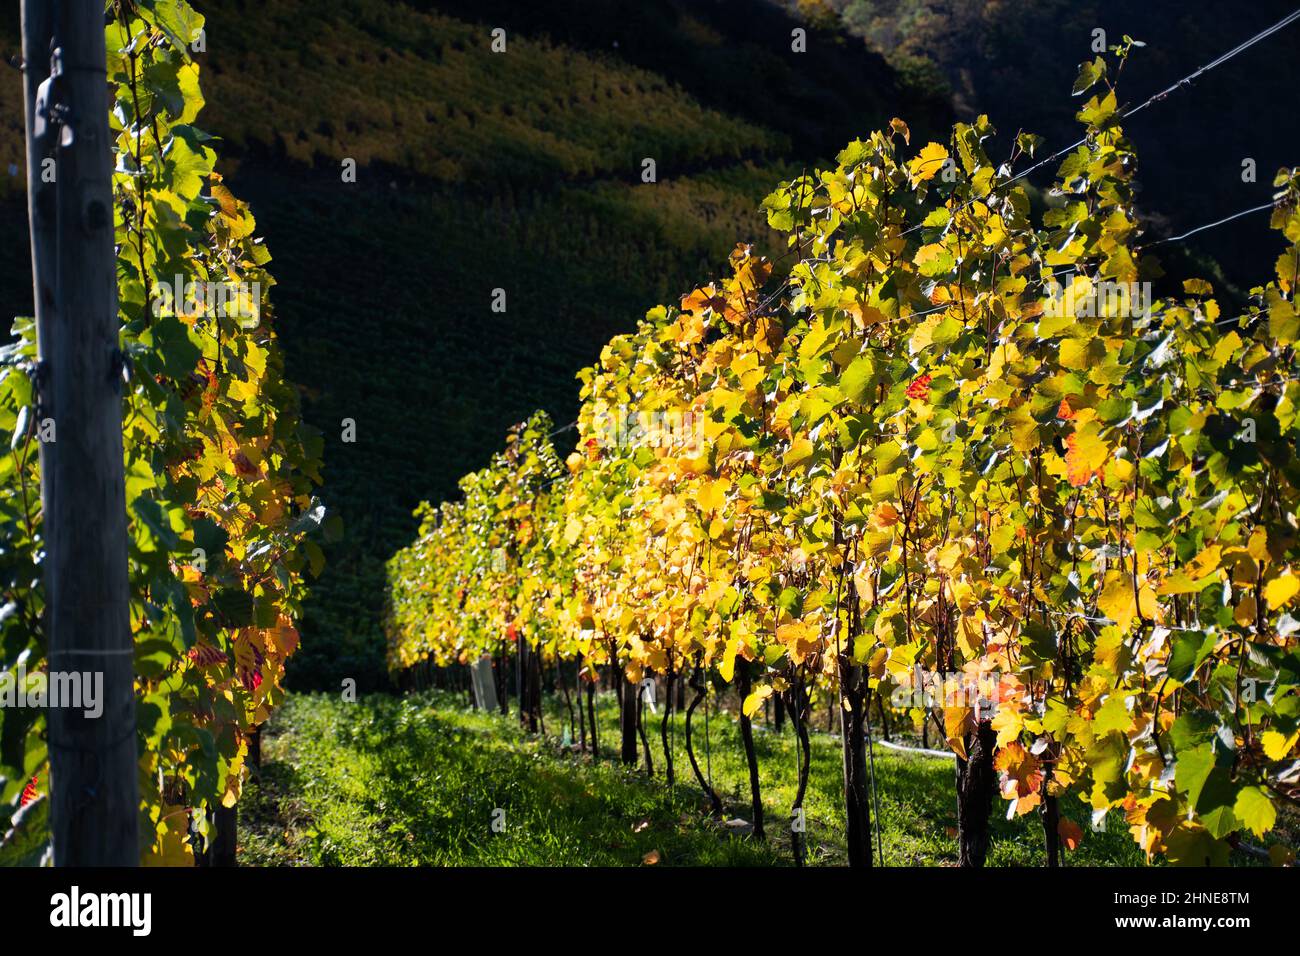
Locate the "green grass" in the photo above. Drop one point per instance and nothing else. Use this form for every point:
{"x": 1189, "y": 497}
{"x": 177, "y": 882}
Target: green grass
{"x": 415, "y": 781}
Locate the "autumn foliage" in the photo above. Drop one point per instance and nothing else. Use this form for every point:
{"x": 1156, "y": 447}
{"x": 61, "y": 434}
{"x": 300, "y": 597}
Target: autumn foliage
{"x": 920, "y": 453}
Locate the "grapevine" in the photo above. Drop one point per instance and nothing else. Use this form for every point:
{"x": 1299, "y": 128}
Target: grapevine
{"x": 219, "y": 467}
{"x": 954, "y": 437}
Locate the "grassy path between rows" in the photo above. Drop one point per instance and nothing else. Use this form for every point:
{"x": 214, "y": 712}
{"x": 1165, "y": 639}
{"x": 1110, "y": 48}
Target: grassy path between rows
{"x": 419, "y": 780}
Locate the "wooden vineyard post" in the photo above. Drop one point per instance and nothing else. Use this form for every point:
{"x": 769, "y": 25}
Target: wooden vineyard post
{"x": 94, "y": 791}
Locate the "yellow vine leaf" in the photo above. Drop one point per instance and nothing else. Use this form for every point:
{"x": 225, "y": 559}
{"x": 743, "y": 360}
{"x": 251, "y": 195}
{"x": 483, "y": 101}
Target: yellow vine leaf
{"x": 1277, "y": 744}
{"x": 1281, "y": 590}
{"x": 927, "y": 163}
{"x": 754, "y": 702}
{"x": 1117, "y": 600}
{"x": 957, "y": 723}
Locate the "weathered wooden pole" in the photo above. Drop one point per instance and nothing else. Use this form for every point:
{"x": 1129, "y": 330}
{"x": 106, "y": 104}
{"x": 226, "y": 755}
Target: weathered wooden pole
{"x": 94, "y": 791}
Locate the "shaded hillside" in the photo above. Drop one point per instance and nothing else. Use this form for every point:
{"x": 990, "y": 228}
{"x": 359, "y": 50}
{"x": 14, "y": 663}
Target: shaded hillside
{"x": 384, "y": 302}
{"x": 480, "y": 171}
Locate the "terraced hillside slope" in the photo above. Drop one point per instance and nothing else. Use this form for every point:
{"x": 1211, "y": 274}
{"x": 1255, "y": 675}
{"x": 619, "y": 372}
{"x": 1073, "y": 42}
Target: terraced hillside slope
{"x": 477, "y": 171}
